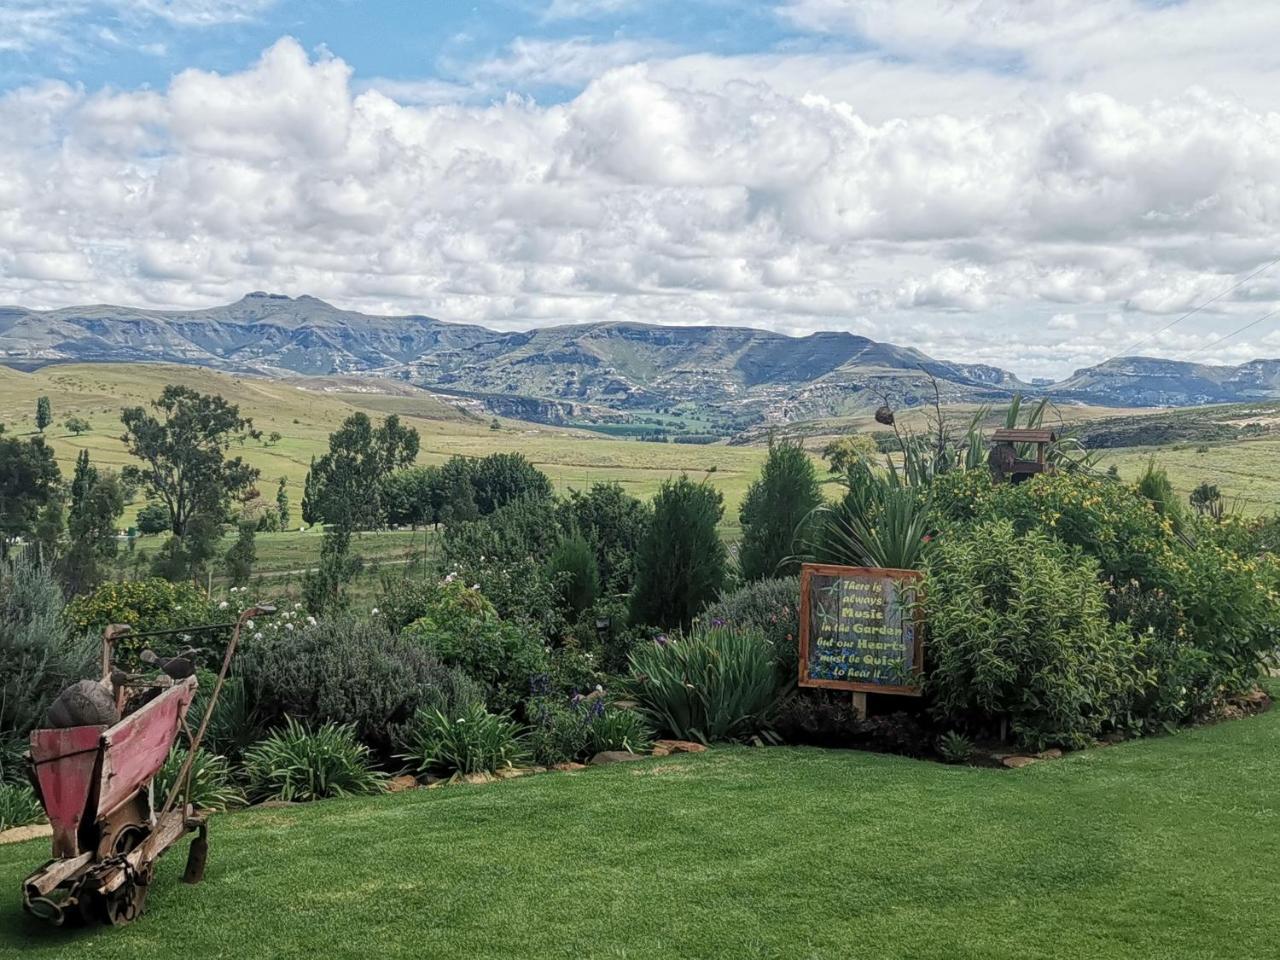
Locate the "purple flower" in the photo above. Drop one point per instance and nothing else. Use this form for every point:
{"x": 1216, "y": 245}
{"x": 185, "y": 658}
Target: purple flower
{"x": 717, "y": 622}
{"x": 661, "y": 640}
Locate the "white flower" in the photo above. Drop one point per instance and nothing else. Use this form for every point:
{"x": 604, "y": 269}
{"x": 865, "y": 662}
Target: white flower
{"x": 475, "y": 586}
{"x": 223, "y": 605}
{"x": 374, "y": 611}
{"x": 289, "y": 627}
{"x": 311, "y": 621}
{"x": 257, "y": 636}
{"x": 297, "y": 606}
{"x": 249, "y": 624}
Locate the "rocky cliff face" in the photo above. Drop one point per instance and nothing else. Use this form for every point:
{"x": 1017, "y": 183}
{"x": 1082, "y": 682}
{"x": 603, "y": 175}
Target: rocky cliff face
{"x": 560, "y": 373}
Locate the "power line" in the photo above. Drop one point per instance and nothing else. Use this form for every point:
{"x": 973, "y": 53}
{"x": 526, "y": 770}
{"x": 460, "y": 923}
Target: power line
{"x": 1127, "y": 351}
{"x": 1209, "y": 346}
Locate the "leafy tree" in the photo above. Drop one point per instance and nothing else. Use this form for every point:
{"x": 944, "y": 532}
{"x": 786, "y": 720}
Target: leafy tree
{"x": 457, "y": 497}
{"x": 76, "y": 425}
{"x": 843, "y": 452}
{"x": 502, "y": 477}
{"x": 29, "y": 483}
{"x": 241, "y": 555}
{"x": 311, "y": 495}
{"x": 273, "y": 438}
{"x": 682, "y": 561}
{"x": 153, "y": 518}
{"x": 96, "y": 505}
{"x": 282, "y": 504}
{"x": 614, "y": 523}
{"x": 413, "y": 496}
{"x": 347, "y": 481}
{"x": 324, "y": 589}
{"x": 44, "y": 413}
{"x": 573, "y": 565}
{"x": 775, "y": 509}
{"x": 183, "y": 445}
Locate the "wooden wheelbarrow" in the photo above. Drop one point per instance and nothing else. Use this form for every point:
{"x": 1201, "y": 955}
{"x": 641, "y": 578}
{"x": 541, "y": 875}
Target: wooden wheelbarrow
{"x": 96, "y": 784}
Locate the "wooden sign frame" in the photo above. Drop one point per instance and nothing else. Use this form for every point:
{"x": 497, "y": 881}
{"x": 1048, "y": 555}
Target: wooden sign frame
{"x": 807, "y": 572}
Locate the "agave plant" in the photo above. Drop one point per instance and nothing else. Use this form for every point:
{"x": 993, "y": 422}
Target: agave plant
{"x": 714, "y": 684}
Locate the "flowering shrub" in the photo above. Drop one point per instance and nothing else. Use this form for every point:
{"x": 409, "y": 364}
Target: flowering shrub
{"x": 462, "y": 629}
{"x": 146, "y": 605}
{"x": 561, "y": 730}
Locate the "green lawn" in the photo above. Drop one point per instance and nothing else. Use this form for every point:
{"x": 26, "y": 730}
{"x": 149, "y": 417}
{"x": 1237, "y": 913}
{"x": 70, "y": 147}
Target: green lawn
{"x": 1167, "y": 848}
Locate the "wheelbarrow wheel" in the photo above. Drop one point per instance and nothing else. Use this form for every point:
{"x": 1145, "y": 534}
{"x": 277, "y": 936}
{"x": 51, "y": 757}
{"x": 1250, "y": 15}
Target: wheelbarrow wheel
{"x": 127, "y": 902}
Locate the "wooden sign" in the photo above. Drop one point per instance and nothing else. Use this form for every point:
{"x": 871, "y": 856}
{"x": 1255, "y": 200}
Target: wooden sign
{"x": 860, "y": 629}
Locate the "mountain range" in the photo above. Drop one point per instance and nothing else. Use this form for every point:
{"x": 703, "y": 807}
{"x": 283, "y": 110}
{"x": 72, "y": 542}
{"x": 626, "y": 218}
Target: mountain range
{"x": 724, "y": 377}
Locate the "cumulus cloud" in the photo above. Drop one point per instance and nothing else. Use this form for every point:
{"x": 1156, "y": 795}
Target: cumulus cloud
{"x": 980, "y": 236}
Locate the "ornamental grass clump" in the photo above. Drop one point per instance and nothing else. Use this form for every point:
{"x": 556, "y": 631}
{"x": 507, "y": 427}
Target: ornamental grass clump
{"x": 713, "y": 684}
{"x": 211, "y": 786}
{"x": 18, "y": 806}
{"x": 297, "y": 764}
{"x": 474, "y": 741}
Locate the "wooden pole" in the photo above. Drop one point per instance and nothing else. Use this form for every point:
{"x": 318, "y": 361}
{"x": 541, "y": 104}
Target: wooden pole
{"x": 860, "y": 704}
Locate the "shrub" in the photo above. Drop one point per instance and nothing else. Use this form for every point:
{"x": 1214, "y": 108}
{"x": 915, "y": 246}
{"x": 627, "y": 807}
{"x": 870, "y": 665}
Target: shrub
{"x": 880, "y": 522}
{"x": 298, "y": 765}
{"x": 502, "y": 478}
{"x": 18, "y": 806}
{"x": 681, "y": 565}
{"x": 614, "y": 523}
{"x": 773, "y": 608}
{"x": 146, "y": 605}
{"x": 38, "y": 656}
{"x": 462, "y": 629}
{"x": 572, "y": 564}
{"x": 577, "y": 729}
{"x": 776, "y": 511}
{"x": 475, "y": 741}
{"x": 955, "y": 747}
{"x": 342, "y": 671}
{"x": 1019, "y": 632}
{"x": 154, "y": 518}
{"x": 211, "y": 786}
{"x": 713, "y": 684}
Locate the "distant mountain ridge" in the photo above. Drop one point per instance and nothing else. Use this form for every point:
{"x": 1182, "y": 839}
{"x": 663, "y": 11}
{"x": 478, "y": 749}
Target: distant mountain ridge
{"x": 600, "y": 371}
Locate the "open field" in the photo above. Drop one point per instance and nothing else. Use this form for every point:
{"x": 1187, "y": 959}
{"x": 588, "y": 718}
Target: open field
{"x": 1167, "y": 847}
{"x": 305, "y": 418}
{"x": 1246, "y": 470}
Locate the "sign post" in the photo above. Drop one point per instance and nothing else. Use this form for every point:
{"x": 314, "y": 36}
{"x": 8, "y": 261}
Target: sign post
{"x": 861, "y": 630}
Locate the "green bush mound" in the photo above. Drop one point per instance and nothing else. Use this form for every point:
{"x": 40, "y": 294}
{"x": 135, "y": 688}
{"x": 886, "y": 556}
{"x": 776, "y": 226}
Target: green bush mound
{"x": 770, "y": 606}
{"x": 1029, "y": 643}
{"x": 470, "y": 741}
{"x": 346, "y": 671}
{"x": 462, "y": 629}
{"x": 562, "y": 731}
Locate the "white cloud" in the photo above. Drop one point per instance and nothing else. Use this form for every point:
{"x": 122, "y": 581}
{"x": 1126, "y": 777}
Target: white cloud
{"x": 979, "y": 236}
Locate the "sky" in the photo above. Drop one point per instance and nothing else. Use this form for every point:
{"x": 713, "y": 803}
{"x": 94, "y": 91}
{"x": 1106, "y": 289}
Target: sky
{"x": 1035, "y": 184}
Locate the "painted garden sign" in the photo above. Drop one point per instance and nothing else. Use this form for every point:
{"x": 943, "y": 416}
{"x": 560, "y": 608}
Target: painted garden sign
{"x": 860, "y": 629}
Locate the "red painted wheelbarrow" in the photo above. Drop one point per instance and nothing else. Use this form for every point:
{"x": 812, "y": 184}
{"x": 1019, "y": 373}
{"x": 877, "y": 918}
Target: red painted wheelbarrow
{"x": 96, "y": 784}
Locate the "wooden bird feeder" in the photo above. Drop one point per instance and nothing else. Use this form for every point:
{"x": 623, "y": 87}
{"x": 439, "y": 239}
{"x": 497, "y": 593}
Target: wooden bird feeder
{"x": 1004, "y": 461}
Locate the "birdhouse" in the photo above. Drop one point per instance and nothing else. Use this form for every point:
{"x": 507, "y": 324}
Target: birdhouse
{"x": 1008, "y": 459}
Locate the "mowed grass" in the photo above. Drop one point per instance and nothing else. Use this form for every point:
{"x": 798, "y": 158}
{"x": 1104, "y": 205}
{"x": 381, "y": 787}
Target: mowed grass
{"x": 306, "y": 417}
{"x": 1165, "y": 848}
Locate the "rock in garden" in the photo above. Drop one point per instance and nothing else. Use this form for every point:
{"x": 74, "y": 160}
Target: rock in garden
{"x": 568, "y": 767}
{"x": 1017, "y": 762}
{"x": 84, "y": 703}
{"x": 401, "y": 783}
{"x": 614, "y": 756}
{"x": 680, "y": 746}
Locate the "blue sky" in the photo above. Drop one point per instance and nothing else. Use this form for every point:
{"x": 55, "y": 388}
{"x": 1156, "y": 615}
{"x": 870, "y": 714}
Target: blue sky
{"x": 135, "y": 44}
{"x": 1036, "y": 184}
